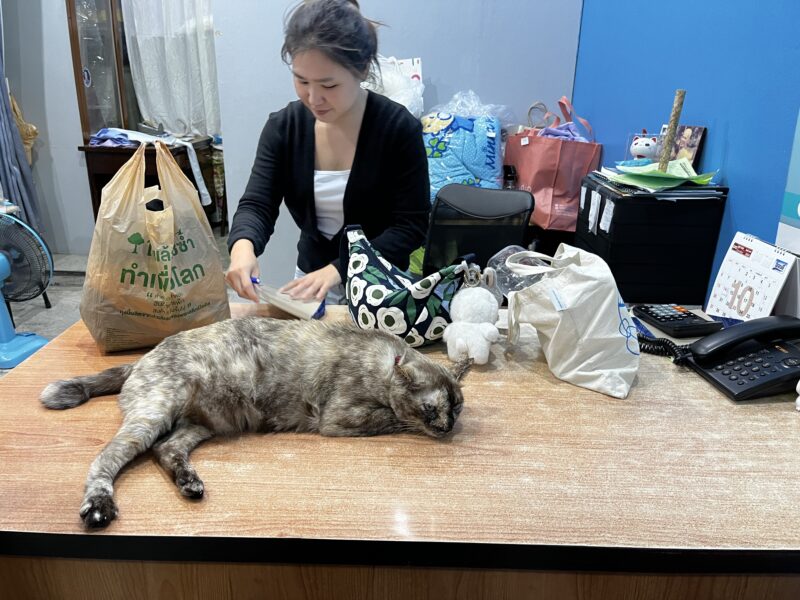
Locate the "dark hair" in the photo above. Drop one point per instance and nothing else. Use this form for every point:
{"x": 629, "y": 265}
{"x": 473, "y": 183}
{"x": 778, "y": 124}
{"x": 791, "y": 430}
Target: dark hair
{"x": 336, "y": 28}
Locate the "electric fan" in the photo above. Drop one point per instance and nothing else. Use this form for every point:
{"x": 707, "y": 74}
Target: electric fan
{"x": 25, "y": 270}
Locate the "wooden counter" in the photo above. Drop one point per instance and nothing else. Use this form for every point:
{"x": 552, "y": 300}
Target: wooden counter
{"x": 538, "y": 476}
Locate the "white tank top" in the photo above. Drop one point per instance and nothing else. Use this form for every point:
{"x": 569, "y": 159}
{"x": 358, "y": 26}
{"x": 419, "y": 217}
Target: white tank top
{"x": 329, "y": 189}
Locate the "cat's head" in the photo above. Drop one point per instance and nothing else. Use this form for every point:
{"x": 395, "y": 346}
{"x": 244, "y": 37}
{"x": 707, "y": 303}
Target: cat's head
{"x": 427, "y": 397}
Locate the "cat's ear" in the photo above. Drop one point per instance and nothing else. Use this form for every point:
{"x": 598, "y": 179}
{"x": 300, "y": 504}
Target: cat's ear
{"x": 461, "y": 368}
{"x": 399, "y": 367}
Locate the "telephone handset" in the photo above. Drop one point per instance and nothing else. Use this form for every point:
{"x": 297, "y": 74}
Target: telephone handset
{"x": 751, "y": 359}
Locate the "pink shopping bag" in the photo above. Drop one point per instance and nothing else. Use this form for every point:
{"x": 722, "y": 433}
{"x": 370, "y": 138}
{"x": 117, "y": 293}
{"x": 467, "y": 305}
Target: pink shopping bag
{"x": 552, "y": 169}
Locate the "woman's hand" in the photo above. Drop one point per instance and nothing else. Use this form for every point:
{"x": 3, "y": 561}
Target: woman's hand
{"x": 244, "y": 265}
{"x": 313, "y": 286}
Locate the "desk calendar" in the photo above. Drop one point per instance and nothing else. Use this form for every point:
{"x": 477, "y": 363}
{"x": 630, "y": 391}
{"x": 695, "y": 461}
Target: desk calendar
{"x": 750, "y": 279}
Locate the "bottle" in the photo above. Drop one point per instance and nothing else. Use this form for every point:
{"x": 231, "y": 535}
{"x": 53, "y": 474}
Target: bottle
{"x": 509, "y": 177}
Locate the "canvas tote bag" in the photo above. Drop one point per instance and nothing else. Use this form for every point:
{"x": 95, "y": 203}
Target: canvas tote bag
{"x": 583, "y": 326}
{"x": 552, "y": 169}
{"x": 151, "y": 273}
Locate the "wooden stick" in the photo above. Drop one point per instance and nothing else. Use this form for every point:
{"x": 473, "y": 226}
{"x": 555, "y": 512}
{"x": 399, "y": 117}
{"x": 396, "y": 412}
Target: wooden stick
{"x": 674, "y": 118}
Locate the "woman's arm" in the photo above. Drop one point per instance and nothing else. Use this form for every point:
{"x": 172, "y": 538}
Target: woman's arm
{"x": 254, "y": 220}
{"x": 258, "y": 208}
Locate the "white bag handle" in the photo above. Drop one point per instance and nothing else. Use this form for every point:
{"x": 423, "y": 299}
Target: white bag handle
{"x": 515, "y": 266}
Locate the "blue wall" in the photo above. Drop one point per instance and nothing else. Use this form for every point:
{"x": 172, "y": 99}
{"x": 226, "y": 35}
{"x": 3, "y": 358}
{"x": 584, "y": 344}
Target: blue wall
{"x": 739, "y": 62}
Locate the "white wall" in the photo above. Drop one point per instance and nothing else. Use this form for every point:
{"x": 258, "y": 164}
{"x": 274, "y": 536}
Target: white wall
{"x": 509, "y": 52}
{"x": 38, "y": 64}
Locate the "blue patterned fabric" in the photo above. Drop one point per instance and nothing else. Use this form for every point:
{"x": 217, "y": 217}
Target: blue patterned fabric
{"x": 380, "y": 296}
{"x": 462, "y": 150}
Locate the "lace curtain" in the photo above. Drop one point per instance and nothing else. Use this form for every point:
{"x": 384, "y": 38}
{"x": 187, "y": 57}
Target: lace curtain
{"x": 173, "y": 65}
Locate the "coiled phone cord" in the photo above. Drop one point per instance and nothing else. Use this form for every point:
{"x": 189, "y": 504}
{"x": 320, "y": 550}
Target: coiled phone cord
{"x": 664, "y": 347}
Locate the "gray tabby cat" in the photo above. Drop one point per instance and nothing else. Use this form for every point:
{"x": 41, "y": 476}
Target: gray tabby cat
{"x": 258, "y": 374}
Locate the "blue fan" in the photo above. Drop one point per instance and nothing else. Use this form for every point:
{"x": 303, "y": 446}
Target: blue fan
{"x": 25, "y": 270}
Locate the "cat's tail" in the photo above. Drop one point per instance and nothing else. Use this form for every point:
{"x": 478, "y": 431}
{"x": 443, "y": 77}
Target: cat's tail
{"x": 69, "y": 393}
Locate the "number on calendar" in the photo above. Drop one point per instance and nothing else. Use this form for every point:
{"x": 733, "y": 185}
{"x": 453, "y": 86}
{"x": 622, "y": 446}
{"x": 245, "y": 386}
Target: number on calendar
{"x": 741, "y": 302}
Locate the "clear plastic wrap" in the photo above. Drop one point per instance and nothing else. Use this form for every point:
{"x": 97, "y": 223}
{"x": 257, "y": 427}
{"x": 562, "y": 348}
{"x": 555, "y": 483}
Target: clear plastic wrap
{"x": 506, "y": 281}
{"x": 468, "y": 104}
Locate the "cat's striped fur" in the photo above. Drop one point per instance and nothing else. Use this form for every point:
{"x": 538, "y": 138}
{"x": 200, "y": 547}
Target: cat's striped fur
{"x": 258, "y": 374}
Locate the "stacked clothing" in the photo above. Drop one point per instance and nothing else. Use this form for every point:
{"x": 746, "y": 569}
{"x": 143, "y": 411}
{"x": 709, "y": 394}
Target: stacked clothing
{"x": 462, "y": 150}
{"x": 115, "y": 137}
{"x": 112, "y": 138}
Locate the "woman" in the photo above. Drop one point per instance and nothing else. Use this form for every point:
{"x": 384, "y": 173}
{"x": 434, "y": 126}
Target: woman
{"x": 339, "y": 155}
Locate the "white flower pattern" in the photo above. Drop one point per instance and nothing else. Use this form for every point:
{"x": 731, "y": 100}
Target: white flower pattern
{"x": 424, "y": 287}
{"x": 358, "y": 262}
{"x": 366, "y": 320}
{"x": 356, "y": 289}
{"x": 436, "y": 328}
{"x": 376, "y": 293}
{"x": 392, "y": 319}
{"x": 414, "y": 339}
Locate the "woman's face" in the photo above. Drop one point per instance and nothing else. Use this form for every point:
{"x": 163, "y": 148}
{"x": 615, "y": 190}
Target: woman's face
{"x": 326, "y": 88}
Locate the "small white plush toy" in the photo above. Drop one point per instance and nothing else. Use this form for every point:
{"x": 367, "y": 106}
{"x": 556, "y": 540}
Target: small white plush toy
{"x": 474, "y": 312}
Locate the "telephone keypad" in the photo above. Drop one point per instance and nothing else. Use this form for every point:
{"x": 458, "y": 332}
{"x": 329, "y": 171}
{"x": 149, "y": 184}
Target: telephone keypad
{"x": 748, "y": 371}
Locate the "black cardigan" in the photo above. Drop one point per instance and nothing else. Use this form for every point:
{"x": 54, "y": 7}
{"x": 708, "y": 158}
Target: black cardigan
{"x": 387, "y": 192}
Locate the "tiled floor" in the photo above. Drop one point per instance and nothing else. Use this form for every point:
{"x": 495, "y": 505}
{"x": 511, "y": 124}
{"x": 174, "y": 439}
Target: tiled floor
{"x": 64, "y": 293}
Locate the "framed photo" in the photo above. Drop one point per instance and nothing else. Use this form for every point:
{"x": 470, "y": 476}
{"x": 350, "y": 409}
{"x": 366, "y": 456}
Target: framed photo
{"x": 688, "y": 142}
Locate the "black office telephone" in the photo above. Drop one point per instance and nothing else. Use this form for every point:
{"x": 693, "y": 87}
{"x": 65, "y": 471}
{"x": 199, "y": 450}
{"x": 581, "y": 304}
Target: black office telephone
{"x": 748, "y": 360}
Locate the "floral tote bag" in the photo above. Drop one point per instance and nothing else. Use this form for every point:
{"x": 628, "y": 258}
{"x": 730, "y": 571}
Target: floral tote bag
{"x": 381, "y": 296}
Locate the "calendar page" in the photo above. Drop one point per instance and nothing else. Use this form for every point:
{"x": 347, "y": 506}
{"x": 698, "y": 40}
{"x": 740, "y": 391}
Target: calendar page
{"x": 750, "y": 279}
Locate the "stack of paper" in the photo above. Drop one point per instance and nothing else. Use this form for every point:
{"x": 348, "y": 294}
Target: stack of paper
{"x": 304, "y": 310}
{"x": 648, "y": 178}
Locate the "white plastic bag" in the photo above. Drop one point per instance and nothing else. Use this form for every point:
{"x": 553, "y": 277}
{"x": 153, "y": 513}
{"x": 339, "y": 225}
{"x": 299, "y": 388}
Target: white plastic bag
{"x": 392, "y": 81}
{"x": 587, "y": 337}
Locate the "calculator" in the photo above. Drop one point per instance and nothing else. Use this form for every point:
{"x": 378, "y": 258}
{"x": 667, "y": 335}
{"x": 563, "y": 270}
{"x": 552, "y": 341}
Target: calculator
{"x": 675, "y": 320}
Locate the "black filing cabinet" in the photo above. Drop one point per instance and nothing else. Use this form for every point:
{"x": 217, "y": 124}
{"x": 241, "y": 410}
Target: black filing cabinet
{"x": 660, "y": 247}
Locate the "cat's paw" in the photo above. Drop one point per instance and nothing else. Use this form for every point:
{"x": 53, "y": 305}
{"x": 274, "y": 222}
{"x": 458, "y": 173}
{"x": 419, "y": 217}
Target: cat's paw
{"x": 191, "y": 486}
{"x": 98, "y": 511}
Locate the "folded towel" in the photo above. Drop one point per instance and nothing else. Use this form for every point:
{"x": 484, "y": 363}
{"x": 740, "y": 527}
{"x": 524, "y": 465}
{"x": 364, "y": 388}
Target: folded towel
{"x": 565, "y": 131}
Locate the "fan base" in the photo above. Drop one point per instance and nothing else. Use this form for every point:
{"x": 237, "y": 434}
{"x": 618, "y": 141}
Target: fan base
{"x": 18, "y": 348}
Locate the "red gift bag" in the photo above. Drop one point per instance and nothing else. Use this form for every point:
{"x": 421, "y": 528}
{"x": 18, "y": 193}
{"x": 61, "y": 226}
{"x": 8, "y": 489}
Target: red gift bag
{"x": 552, "y": 169}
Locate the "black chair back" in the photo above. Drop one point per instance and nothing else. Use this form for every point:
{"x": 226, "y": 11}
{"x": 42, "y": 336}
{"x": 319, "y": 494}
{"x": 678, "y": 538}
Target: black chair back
{"x": 466, "y": 219}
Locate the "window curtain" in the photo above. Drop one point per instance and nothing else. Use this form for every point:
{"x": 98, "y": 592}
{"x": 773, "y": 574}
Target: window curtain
{"x": 16, "y": 179}
{"x": 171, "y": 52}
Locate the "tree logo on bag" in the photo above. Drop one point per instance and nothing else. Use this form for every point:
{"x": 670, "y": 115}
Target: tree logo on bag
{"x": 169, "y": 277}
{"x": 137, "y": 240}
